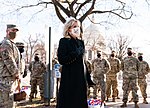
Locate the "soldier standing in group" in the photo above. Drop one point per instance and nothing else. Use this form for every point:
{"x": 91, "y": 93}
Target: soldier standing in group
{"x": 23, "y": 67}
{"x": 130, "y": 67}
{"x": 9, "y": 66}
{"x": 111, "y": 76}
{"x": 37, "y": 69}
{"x": 143, "y": 71}
{"x": 100, "y": 67}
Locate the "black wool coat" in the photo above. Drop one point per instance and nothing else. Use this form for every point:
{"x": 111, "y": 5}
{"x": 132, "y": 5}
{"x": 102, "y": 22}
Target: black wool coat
{"x": 73, "y": 88}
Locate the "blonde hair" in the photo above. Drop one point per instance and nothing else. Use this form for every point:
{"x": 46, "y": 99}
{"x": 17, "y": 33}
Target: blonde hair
{"x": 67, "y": 25}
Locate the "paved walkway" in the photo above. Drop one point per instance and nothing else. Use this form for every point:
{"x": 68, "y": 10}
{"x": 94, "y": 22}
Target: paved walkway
{"x": 36, "y": 103}
{"x": 129, "y": 105}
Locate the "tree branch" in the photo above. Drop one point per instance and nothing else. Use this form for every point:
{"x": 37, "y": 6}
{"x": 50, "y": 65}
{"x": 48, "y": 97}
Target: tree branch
{"x": 112, "y": 11}
{"x": 59, "y": 14}
{"x": 87, "y": 1}
{"x": 66, "y": 11}
{"x": 34, "y": 5}
{"x": 88, "y": 12}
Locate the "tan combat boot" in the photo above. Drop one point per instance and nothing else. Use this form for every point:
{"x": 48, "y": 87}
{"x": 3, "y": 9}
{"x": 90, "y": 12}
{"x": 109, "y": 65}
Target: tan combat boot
{"x": 107, "y": 100}
{"x": 113, "y": 99}
{"x": 31, "y": 97}
{"x": 42, "y": 99}
{"x": 35, "y": 94}
{"x": 124, "y": 104}
{"x": 131, "y": 100}
{"x": 118, "y": 95}
{"x": 145, "y": 101}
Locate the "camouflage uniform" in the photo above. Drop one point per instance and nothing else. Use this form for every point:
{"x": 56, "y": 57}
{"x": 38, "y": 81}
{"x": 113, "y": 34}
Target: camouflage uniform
{"x": 9, "y": 70}
{"x": 23, "y": 66}
{"x": 130, "y": 66}
{"x": 100, "y": 67}
{"x": 111, "y": 77}
{"x": 37, "y": 69}
{"x": 143, "y": 71}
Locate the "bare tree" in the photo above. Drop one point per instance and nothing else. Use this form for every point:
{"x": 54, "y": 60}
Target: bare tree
{"x": 119, "y": 43}
{"x": 81, "y": 9}
{"x": 34, "y": 45}
{"x": 148, "y": 2}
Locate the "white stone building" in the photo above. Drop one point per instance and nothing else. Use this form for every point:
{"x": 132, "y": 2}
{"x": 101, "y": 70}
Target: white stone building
{"x": 94, "y": 41}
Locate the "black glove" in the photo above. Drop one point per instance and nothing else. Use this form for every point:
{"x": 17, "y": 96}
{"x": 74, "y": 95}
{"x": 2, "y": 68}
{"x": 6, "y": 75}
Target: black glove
{"x": 25, "y": 74}
{"x": 80, "y": 50}
{"x": 89, "y": 80}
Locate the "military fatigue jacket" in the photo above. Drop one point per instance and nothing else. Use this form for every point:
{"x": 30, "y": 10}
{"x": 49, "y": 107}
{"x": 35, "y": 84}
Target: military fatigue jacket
{"x": 115, "y": 66}
{"x": 100, "y": 66}
{"x": 143, "y": 69}
{"x": 37, "y": 69}
{"x": 9, "y": 59}
{"x": 130, "y": 67}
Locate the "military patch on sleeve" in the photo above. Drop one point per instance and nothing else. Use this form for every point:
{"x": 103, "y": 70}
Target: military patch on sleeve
{"x": 2, "y": 49}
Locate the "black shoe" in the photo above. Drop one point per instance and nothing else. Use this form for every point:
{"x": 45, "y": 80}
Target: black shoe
{"x": 124, "y": 105}
{"x": 103, "y": 103}
{"x": 91, "y": 84}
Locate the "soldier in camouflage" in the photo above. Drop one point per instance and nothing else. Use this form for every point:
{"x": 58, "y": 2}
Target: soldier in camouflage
{"x": 37, "y": 69}
{"x": 143, "y": 71}
{"x": 23, "y": 66}
{"x": 9, "y": 66}
{"x": 100, "y": 67}
{"x": 111, "y": 76}
{"x": 130, "y": 67}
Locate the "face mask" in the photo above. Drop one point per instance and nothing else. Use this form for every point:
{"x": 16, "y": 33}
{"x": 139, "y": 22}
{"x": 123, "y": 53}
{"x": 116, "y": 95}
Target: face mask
{"x": 129, "y": 53}
{"x": 12, "y": 35}
{"x": 76, "y": 31}
{"x": 112, "y": 55}
{"x": 21, "y": 50}
{"x": 36, "y": 58}
{"x": 98, "y": 55}
{"x": 140, "y": 58}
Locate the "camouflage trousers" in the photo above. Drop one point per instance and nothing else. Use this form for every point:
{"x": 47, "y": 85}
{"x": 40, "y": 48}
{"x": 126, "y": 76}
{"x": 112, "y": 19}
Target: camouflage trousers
{"x": 111, "y": 82}
{"x": 100, "y": 84}
{"x": 143, "y": 85}
{"x": 130, "y": 85}
{"x": 6, "y": 100}
{"x": 34, "y": 82}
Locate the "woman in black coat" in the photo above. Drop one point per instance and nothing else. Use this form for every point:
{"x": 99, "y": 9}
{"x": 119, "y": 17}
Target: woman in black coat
{"x": 73, "y": 87}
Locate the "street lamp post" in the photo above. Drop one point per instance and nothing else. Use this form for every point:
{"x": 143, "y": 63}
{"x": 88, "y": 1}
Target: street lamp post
{"x": 47, "y": 75}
